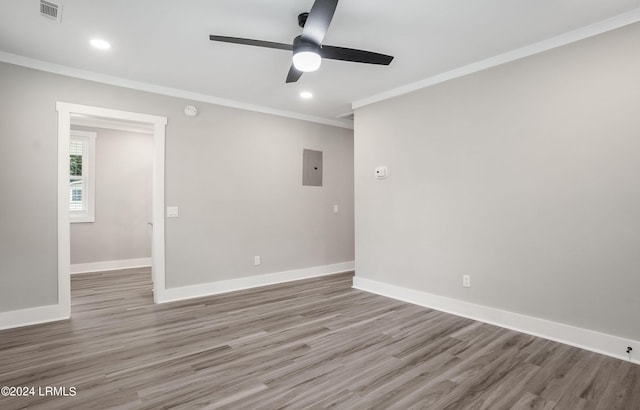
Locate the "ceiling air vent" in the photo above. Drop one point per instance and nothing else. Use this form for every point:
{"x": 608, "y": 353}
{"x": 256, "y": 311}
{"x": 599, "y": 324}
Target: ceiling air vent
{"x": 51, "y": 10}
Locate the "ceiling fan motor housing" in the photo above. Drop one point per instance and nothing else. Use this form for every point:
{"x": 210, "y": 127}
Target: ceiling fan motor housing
{"x": 300, "y": 45}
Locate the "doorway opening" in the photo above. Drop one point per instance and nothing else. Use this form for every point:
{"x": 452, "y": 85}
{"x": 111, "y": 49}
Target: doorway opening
{"x": 76, "y": 114}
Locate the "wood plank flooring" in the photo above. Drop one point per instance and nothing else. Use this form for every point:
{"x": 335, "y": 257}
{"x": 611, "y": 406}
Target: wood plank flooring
{"x": 309, "y": 344}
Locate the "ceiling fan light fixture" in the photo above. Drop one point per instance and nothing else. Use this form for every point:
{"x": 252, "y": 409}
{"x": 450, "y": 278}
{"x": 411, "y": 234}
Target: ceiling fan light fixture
{"x": 307, "y": 61}
{"x": 307, "y": 48}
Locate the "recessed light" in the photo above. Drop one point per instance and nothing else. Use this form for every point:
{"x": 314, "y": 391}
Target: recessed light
{"x": 306, "y": 95}
{"x": 100, "y": 44}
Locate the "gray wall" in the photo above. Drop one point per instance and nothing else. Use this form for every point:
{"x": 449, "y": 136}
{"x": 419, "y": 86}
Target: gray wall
{"x": 124, "y": 165}
{"x": 238, "y": 184}
{"x": 236, "y": 176}
{"x": 525, "y": 176}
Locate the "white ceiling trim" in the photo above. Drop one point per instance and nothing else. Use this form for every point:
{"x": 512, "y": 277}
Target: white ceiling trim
{"x": 554, "y": 42}
{"x": 157, "y": 89}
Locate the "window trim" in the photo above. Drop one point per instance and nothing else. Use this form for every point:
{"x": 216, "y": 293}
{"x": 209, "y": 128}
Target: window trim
{"x": 88, "y": 175}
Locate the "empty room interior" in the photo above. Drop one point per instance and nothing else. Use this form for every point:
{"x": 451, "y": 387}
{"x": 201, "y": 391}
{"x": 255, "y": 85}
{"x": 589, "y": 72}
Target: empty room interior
{"x": 425, "y": 204}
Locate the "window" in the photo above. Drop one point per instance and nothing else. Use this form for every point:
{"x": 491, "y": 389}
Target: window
{"x": 82, "y": 176}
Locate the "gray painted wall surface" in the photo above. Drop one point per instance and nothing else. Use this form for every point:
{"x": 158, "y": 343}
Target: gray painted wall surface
{"x": 525, "y": 176}
{"x": 124, "y": 165}
{"x": 235, "y": 174}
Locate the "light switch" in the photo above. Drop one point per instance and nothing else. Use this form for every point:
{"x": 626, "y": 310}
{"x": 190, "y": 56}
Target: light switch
{"x": 172, "y": 212}
{"x": 335, "y": 209}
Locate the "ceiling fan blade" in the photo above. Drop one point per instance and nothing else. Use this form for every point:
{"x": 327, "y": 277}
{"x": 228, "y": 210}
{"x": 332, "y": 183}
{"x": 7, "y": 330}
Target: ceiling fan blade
{"x": 357, "y": 56}
{"x": 293, "y": 75}
{"x": 318, "y": 20}
{"x": 250, "y": 42}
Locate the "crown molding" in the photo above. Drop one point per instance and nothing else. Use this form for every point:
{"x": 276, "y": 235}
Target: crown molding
{"x": 536, "y": 48}
{"x": 158, "y": 89}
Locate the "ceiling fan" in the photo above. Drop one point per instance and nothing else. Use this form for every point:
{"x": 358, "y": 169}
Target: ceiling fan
{"x": 308, "y": 50}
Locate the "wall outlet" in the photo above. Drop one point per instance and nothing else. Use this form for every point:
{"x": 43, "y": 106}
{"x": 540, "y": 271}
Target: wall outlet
{"x": 466, "y": 281}
{"x": 256, "y": 260}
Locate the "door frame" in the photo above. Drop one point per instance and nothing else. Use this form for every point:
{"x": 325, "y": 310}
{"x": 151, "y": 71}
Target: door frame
{"x": 65, "y": 112}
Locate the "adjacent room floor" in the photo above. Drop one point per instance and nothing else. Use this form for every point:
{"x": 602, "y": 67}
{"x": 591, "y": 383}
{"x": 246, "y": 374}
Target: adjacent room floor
{"x": 314, "y": 343}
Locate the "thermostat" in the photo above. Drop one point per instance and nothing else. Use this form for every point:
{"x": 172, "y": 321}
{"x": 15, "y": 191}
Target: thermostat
{"x": 381, "y": 172}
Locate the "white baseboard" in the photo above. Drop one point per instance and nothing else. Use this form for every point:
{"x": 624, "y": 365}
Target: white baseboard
{"x": 52, "y": 313}
{"x": 594, "y": 341}
{"x": 230, "y": 285}
{"x": 110, "y": 265}
{"x": 32, "y": 316}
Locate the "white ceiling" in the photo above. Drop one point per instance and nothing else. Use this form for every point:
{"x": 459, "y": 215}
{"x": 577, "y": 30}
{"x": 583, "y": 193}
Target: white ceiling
{"x": 166, "y": 43}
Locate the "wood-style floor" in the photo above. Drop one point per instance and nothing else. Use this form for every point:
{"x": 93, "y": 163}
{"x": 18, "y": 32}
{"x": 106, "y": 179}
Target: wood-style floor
{"x": 309, "y": 344}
